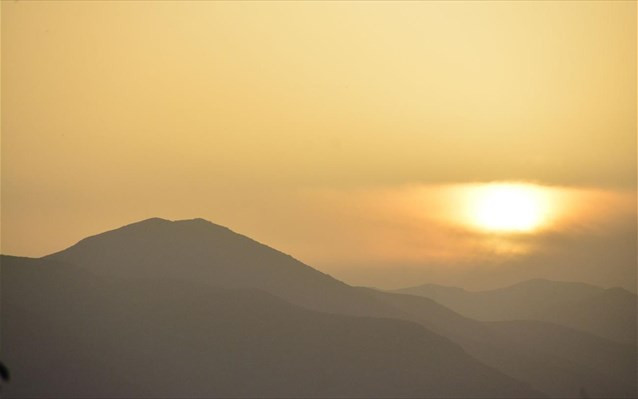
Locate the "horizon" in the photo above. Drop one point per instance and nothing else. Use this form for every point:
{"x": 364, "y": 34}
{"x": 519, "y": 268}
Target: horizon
{"x": 420, "y": 284}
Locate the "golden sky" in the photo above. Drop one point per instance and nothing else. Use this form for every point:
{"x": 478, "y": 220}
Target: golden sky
{"x": 267, "y": 117}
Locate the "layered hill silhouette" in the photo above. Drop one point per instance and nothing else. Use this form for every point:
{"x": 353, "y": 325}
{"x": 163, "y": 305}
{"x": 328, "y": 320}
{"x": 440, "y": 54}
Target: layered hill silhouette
{"x": 73, "y": 334}
{"x": 189, "y": 308}
{"x": 609, "y": 313}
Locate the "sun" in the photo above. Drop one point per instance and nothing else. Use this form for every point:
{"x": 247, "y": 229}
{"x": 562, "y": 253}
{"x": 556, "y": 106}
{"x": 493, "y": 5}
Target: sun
{"x": 507, "y": 207}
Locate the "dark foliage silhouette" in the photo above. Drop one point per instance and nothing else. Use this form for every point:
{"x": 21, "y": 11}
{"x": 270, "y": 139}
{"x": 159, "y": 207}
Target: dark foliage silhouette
{"x": 5, "y": 375}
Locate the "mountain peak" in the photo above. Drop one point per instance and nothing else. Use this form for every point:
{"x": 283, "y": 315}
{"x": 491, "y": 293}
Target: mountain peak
{"x": 196, "y": 249}
{"x": 148, "y": 222}
{"x": 157, "y": 237}
{"x": 154, "y": 228}
{"x": 157, "y": 221}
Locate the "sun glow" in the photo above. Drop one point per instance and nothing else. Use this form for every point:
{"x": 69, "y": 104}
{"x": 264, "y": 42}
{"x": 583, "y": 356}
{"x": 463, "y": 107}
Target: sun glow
{"x": 508, "y": 207}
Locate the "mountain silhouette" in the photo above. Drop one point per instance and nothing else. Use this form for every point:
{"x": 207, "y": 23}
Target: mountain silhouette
{"x": 609, "y": 313}
{"x": 201, "y": 251}
{"x": 199, "y": 256}
{"x": 74, "y": 334}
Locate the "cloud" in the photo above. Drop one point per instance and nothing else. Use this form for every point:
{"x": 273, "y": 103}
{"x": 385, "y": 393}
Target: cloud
{"x": 394, "y": 234}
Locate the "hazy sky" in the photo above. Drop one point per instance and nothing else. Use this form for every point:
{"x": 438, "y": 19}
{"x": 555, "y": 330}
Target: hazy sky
{"x": 329, "y": 130}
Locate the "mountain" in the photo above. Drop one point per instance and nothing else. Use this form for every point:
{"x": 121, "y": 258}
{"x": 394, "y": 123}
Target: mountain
{"x": 604, "y": 370}
{"x": 200, "y": 253}
{"x": 74, "y": 334}
{"x": 609, "y": 313}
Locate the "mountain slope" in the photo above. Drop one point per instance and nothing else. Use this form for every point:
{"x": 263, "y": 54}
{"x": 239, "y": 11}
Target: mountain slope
{"x": 604, "y": 369}
{"x": 73, "y": 334}
{"x": 609, "y": 313}
{"x": 199, "y": 252}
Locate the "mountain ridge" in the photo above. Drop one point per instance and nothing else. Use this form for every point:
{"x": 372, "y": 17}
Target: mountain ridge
{"x": 197, "y": 251}
{"x": 162, "y": 338}
{"x": 606, "y": 312}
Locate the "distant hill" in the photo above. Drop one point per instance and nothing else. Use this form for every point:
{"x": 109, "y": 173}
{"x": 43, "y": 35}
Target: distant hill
{"x": 162, "y": 254}
{"x": 604, "y": 370}
{"x": 73, "y": 334}
{"x": 609, "y": 313}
